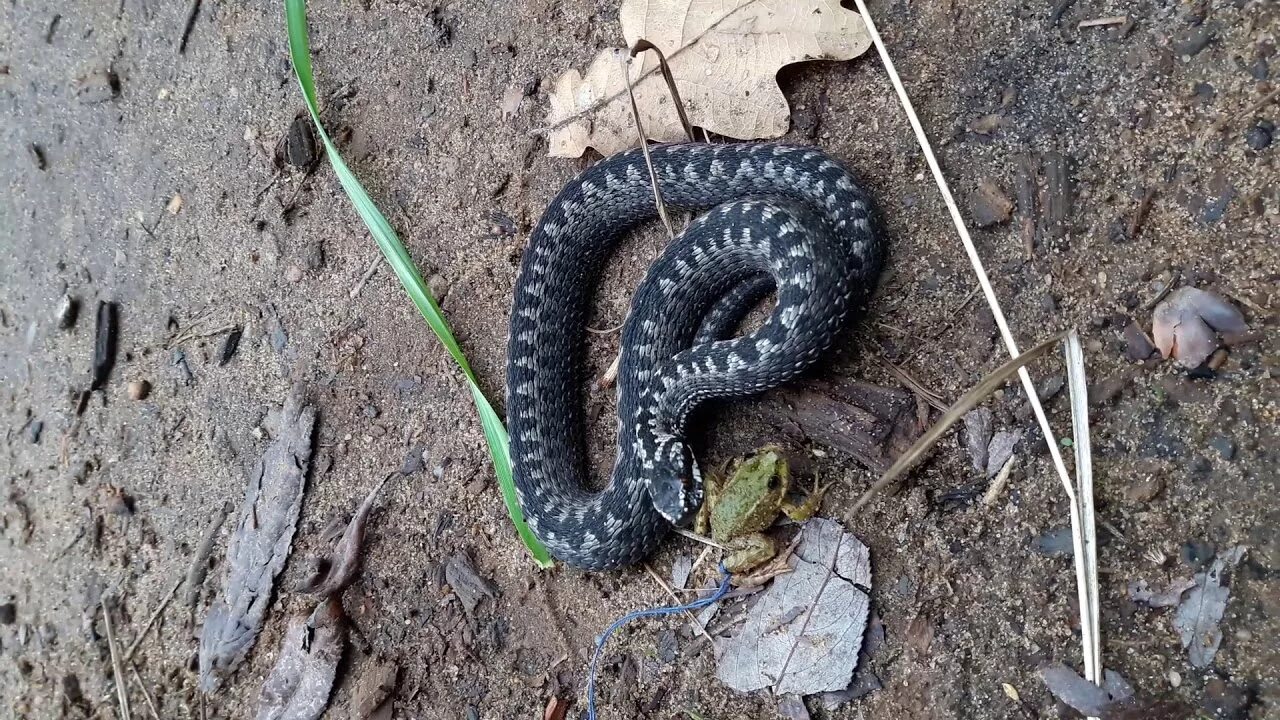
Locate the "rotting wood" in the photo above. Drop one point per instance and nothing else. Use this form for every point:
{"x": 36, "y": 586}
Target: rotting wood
{"x": 871, "y": 423}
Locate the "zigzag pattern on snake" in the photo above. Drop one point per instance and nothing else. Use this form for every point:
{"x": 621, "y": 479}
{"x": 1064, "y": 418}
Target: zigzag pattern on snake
{"x": 781, "y": 218}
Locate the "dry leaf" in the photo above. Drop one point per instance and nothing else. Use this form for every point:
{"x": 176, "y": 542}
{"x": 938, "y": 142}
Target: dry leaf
{"x": 1197, "y": 617}
{"x": 299, "y": 685}
{"x": 260, "y": 544}
{"x": 1184, "y": 324}
{"x": 343, "y": 565}
{"x": 1011, "y": 692}
{"x": 556, "y": 709}
{"x": 724, "y": 55}
{"x": 818, "y": 646}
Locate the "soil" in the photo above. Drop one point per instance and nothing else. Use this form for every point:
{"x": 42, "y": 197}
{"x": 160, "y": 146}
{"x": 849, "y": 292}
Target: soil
{"x": 106, "y": 122}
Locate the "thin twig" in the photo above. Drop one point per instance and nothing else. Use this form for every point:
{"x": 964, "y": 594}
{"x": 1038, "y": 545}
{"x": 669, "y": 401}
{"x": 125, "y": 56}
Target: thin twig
{"x": 1103, "y": 21}
{"x": 122, "y": 692}
{"x": 128, "y": 656}
{"x": 1266, "y": 99}
{"x": 644, "y": 147}
{"x": 1001, "y": 479}
{"x": 192, "y": 13}
{"x": 671, "y": 593}
{"x": 368, "y": 273}
{"x": 970, "y": 249}
{"x": 1084, "y": 533}
{"x": 698, "y": 538}
{"x": 151, "y": 704}
{"x": 641, "y": 46}
{"x": 930, "y": 396}
{"x": 966, "y": 403}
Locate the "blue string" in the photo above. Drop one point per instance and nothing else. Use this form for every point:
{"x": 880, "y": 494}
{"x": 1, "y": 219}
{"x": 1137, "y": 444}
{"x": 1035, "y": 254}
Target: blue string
{"x": 651, "y": 612}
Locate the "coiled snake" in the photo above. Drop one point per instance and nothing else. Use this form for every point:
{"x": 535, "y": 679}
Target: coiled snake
{"x": 782, "y": 218}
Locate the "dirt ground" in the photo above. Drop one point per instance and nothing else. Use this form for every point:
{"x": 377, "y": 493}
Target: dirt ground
{"x": 113, "y": 502}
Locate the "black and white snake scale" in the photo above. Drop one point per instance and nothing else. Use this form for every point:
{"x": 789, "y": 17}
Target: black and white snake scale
{"x": 778, "y": 218}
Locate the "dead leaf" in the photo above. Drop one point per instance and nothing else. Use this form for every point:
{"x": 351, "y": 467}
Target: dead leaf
{"x": 989, "y": 205}
{"x": 372, "y": 689}
{"x": 1140, "y": 592}
{"x": 818, "y": 647}
{"x": 724, "y": 55}
{"x": 919, "y": 634}
{"x": 1197, "y": 617}
{"x": 511, "y": 100}
{"x": 1184, "y": 324}
{"x": 467, "y": 583}
{"x": 1067, "y": 685}
{"x": 1011, "y": 692}
{"x": 260, "y": 544}
{"x": 556, "y": 709}
{"x": 344, "y": 564}
{"x": 300, "y": 682}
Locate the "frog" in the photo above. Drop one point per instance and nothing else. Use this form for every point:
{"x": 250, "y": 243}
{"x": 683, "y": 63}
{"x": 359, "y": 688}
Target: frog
{"x": 738, "y": 509}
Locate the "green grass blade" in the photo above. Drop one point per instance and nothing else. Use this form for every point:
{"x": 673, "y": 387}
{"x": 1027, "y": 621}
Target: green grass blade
{"x": 494, "y": 432}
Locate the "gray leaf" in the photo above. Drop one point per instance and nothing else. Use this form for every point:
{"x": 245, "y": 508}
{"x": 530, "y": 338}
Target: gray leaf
{"x": 299, "y": 685}
{"x": 260, "y": 544}
{"x": 822, "y": 657}
{"x": 1082, "y": 695}
{"x": 1197, "y": 617}
{"x": 461, "y": 575}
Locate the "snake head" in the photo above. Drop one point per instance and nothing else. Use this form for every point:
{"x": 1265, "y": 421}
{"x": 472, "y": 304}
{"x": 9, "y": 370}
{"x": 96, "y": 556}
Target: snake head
{"x": 675, "y": 483}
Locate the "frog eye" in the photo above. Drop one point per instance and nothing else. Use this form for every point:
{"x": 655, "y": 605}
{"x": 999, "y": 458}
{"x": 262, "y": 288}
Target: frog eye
{"x": 774, "y": 483}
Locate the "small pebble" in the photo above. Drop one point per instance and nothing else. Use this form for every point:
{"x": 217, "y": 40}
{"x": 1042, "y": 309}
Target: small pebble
{"x": 8, "y": 613}
{"x": 33, "y": 431}
{"x": 293, "y": 274}
{"x": 68, "y": 311}
{"x": 1175, "y": 678}
{"x": 1259, "y": 136}
{"x": 1225, "y": 446}
{"x": 139, "y": 389}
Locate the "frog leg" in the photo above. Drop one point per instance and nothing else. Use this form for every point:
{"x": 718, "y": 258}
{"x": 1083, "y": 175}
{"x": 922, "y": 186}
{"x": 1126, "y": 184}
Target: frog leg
{"x": 749, "y": 552}
{"x": 711, "y": 487}
{"x": 809, "y": 506}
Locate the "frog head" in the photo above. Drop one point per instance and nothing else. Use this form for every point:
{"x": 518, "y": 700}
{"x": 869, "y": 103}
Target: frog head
{"x": 675, "y": 481}
{"x": 752, "y": 495}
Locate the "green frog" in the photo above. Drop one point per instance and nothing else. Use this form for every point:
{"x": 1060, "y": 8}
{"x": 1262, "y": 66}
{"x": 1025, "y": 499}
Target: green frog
{"x": 740, "y": 508}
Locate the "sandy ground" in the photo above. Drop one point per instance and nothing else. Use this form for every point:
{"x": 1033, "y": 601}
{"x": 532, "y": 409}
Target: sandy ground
{"x": 1186, "y": 467}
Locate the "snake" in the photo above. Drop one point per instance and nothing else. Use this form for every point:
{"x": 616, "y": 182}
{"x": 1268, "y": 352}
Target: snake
{"x": 774, "y": 218}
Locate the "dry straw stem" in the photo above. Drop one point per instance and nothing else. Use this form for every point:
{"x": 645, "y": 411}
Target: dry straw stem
{"x": 969, "y": 401}
{"x": 122, "y": 692}
{"x": 1083, "y": 551}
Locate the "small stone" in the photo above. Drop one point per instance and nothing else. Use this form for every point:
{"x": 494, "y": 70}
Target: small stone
{"x": 33, "y": 431}
{"x": 36, "y": 154}
{"x": 68, "y": 311}
{"x": 1175, "y": 678}
{"x": 139, "y": 389}
{"x": 412, "y": 460}
{"x": 1191, "y": 42}
{"x": 313, "y": 255}
{"x": 8, "y": 613}
{"x": 1138, "y": 347}
{"x": 1144, "y": 490}
{"x": 1259, "y": 136}
{"x": 293, "y": 274}
{"x": 990, "y": 205}
{"x": 1225, "y": 446}
{"x": 439, "y": 286}
{"x": 668, "y": 646}
{"x": 1196, "y": 553}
